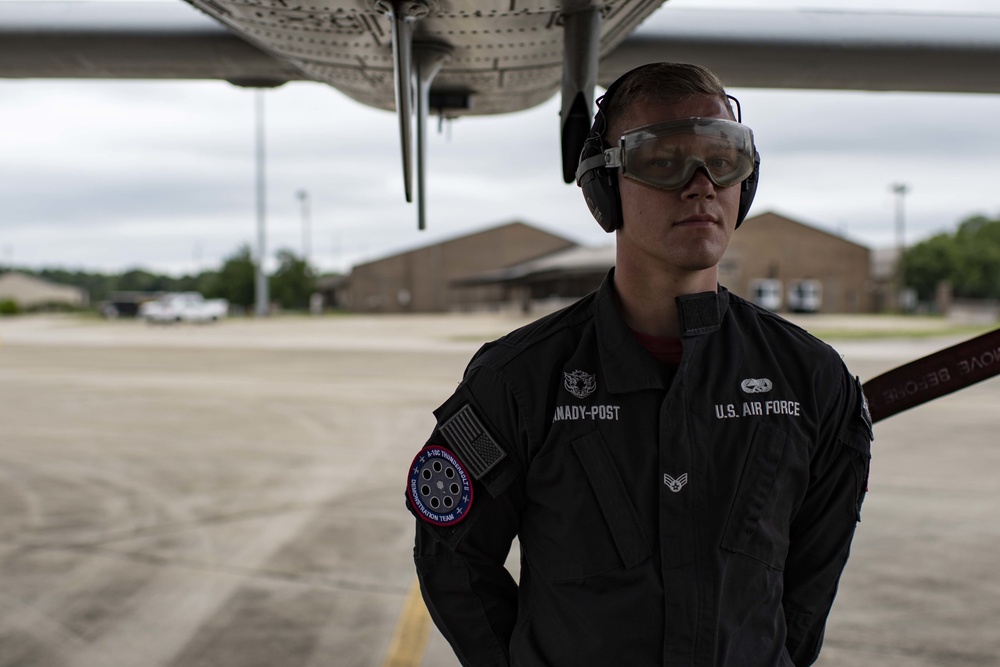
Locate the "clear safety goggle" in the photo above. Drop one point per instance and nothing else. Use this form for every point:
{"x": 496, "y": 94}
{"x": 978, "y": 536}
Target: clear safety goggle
{"x": 666, "y": 155}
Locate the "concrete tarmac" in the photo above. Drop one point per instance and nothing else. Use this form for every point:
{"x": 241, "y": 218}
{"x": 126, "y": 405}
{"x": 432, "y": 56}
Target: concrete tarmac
{"x": 232, "y": 496}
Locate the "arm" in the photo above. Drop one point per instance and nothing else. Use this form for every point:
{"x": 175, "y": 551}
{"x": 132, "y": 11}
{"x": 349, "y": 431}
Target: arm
{"x": 468, "y": 592}
{"x": 823, "y": 527}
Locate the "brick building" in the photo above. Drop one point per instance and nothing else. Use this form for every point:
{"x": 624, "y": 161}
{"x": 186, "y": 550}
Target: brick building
{"x": 429, "y": 279}
{"x": 770, "y": 252}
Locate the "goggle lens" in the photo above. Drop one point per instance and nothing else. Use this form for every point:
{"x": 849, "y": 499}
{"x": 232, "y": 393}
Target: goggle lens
{"x": 666, "y": 155}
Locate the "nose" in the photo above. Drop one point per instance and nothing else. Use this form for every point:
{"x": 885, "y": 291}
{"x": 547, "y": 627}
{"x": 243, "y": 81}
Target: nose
{"x": 699, "y": 185}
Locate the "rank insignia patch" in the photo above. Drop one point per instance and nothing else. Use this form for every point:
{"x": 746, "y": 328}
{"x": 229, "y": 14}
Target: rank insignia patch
{"x": 440, "y": 489}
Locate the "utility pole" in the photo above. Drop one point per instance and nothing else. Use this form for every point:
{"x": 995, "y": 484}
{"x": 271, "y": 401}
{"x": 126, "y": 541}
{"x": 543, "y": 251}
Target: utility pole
{"x": 900, "y": 190}
{"x": 303, "y": 196}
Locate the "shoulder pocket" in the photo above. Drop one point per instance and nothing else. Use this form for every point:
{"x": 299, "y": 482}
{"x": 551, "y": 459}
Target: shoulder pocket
{"x": 757, "y": 525}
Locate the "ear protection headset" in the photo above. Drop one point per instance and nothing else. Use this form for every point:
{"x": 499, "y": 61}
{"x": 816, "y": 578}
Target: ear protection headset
{"x": 600, "y": 184}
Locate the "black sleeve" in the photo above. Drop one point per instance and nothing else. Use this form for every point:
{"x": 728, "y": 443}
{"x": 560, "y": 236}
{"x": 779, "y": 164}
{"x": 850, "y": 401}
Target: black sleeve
{"x": 823, "y": 527}
{"x": 471, "y": 597}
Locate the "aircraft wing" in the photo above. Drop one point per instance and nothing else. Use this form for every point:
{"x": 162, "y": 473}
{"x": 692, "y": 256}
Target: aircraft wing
{"x": 122, "y": 40}
{"x": 834, "y": 50}
{"x": 501, "y": 59}
{"x": 749, "y": 48}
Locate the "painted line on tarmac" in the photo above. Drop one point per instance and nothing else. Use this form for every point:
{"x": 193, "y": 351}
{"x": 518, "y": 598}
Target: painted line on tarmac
{"x": 410, "y": 637}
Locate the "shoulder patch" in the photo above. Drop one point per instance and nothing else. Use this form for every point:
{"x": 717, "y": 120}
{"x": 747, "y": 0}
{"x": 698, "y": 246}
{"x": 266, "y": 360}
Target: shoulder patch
{"x": 439, "y": 487}
{"x": 470, "y": 440}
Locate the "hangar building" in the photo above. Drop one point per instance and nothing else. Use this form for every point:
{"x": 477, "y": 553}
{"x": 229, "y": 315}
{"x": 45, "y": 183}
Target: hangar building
{"x": 30, "y": 292}
{"x": 428, "y": 279}
{"x": 774, "y": 260}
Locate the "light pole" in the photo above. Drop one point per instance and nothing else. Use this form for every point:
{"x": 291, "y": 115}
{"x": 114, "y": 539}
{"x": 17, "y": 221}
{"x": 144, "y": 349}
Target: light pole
{"x": 900, "y": 190}
{"x": 303, "y": 197}
{"x": 261, "y": 297}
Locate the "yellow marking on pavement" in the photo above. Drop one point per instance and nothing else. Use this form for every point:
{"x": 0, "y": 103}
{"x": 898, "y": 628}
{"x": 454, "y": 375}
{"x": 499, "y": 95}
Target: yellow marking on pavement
{"x": 410, "y": 637}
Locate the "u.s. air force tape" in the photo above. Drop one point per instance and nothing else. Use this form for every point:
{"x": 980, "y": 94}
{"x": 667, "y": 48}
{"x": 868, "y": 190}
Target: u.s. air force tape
{"x": 472, "y": 442}
{"x": 439, "y": 490}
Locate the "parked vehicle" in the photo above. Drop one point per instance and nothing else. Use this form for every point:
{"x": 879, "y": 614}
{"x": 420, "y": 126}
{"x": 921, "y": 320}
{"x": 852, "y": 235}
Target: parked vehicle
{"x": 805, "y": 296}
{"x": 766, "y": 292}
{"x": 183, "y": 307}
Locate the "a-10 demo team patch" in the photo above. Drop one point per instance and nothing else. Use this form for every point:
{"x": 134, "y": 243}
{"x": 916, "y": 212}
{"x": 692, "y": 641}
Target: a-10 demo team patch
{"x": 440, "y": 489}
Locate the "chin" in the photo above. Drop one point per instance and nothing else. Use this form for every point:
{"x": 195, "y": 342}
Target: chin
{"x": 698, "y": 258}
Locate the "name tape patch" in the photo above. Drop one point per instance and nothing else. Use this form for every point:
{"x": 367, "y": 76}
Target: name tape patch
{"x": 440, "y": 489}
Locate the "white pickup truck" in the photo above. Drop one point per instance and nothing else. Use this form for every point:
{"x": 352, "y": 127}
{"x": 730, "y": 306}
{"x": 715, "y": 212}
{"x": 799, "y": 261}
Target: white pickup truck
{"x": 183, "y": 307}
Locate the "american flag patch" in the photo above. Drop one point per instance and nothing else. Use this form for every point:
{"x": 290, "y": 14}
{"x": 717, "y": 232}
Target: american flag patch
{"x": 471, "y": 442}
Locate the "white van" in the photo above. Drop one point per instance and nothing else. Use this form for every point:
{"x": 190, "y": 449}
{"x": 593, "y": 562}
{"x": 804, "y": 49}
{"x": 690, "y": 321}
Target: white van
{"x": 805, "y": 296}
{"x": 766, "y": 292}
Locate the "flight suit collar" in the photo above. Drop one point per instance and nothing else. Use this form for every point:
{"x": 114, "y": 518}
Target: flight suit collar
{"x": 626, "y": 365}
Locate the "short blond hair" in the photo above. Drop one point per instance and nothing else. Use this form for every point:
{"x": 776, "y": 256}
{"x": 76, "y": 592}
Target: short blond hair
{"x": 659, "y": 82}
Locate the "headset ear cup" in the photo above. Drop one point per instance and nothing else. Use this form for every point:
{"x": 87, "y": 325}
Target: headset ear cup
{"x": 600, "y": 191}
{"x": 600, "y": 187}
{"x": 748, "y": 189}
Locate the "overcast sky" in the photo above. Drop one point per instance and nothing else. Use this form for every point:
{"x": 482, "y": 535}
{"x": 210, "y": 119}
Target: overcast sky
{"x": 112, "y": 175}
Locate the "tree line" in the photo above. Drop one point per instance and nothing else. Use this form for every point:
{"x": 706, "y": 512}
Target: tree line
{"x": 968, "y": 259}
{"x": 290, "y": 285}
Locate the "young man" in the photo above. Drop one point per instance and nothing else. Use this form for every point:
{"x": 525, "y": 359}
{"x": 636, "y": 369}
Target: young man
{"x": 684, "y": 470}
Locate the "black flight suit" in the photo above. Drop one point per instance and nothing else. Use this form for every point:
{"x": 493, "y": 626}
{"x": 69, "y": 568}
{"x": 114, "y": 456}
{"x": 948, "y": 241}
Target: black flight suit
{"x": 701, "y": 520}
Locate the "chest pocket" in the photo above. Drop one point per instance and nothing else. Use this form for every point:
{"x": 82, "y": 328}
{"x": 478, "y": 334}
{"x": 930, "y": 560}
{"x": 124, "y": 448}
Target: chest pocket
{"x": 582, "y": 521}
{"x": 759, "y": 518}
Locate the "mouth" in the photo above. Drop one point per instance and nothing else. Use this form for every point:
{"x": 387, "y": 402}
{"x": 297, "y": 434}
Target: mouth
{"x": 697, "y": 221}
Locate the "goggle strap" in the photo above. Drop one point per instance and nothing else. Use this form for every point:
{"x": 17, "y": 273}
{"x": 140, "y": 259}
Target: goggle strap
{"x": 589, "y": 164}
{"x": 739, "y": 112}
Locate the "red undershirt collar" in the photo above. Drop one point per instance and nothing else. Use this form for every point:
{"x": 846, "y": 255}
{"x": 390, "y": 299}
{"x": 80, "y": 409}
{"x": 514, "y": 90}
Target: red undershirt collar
{"x": 666, "y": 349}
